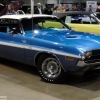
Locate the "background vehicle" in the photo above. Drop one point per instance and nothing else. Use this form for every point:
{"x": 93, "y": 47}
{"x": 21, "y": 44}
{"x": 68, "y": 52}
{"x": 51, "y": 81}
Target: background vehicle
{"x": 81, "y": 21}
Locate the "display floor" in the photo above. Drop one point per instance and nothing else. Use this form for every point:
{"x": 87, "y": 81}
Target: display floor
{"x": 21, "y": 82}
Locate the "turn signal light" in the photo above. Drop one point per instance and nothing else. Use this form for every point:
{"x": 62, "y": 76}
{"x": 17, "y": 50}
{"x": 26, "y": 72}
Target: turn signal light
{"x": 70, "y": 58}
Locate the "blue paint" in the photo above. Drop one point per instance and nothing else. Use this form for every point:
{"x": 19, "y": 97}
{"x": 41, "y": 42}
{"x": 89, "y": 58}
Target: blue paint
{"x": 57, "y": 39}
{"x": 67, "y": 41}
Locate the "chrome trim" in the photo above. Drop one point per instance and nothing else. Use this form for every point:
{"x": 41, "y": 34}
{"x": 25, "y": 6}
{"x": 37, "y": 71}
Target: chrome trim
{"x": 41, "y": 49}
{"x": 55, "y": 52}
{"x": 51, "y": 67}
{"x": 82, "y": 64}
{"x": 11, "y": 44}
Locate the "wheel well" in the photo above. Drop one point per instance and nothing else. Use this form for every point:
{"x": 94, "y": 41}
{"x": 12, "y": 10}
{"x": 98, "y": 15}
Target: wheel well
{"x": 41, "y": 54}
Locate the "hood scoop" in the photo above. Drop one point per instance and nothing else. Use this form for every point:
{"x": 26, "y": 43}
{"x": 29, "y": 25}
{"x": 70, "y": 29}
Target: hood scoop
{"x": 71, "y": 36}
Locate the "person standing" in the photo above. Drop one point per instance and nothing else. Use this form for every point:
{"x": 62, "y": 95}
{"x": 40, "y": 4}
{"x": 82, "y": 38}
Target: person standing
{"x": 67, "y": 8}
{"x": 74, "y": 7}
{"x": 90, "y": 8}
{"x": 38, "y": 9}
{"x": 1, "y": 7}
{"x": 10, "y": 10}
{"x": 98, "y": 9}
{"x": 47, "y": 10}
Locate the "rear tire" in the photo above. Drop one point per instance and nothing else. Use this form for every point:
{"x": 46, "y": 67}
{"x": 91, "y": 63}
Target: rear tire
{"x": 50, "y": 69}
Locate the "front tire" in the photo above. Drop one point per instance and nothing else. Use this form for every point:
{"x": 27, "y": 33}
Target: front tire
{"x": 51, "y": 70}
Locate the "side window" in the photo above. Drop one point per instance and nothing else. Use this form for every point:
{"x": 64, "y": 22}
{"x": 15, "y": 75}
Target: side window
{"x": 27, "y": 24}
{"x": 3, "y": 29}
{"x": 15, "y": 28}
{"x": 7, "y": 25}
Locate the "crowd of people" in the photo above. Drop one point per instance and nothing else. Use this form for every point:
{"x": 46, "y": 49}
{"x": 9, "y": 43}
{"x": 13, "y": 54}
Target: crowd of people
{"x": 64, "y": 8}
{"x": 73, "y": 8}
{"x": 48, "y": 10}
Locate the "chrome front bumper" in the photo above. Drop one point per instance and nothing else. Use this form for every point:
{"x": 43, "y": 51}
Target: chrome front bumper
{"x": 82, "y": 64}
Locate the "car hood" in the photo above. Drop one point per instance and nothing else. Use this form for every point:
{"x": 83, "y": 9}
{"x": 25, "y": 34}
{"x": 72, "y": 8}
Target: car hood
{"x": 72, "y": 39}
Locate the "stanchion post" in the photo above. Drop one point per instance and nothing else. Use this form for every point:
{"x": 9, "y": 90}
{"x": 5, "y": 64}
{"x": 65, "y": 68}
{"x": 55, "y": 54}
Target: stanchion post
{"x": 32, "y": 6}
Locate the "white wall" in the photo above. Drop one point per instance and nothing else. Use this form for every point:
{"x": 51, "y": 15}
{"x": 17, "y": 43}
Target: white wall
{"x": 76, "y": 1}
{"x": 83, "y": 1}
{"x": 69, "y": 1}
{"x": 52, "y": 1}
{"x": 27, "y": 2}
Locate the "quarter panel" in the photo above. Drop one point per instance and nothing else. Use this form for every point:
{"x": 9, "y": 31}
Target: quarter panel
{"x": 68, "y": 65}
{"x": 12, "y": 53}
{"x": 12, "y": 47}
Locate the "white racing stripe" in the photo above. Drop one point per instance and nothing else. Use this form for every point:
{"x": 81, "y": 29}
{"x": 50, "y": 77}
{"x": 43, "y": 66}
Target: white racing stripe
{"x": 38, "y": 49}
{"x": 11, "y": 44}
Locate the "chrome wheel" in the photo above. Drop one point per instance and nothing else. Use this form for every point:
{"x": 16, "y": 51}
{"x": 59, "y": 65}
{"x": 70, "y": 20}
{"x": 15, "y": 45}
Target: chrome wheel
{"x": 51, "y": 68}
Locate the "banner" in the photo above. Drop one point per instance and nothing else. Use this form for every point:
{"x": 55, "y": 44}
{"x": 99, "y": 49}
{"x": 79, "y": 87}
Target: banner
{"x": 91, "y": 6}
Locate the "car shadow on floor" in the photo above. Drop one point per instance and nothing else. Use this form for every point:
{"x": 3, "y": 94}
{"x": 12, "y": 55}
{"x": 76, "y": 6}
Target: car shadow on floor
{"x": 19, "y": 66}
{"x": 89, "y": 80}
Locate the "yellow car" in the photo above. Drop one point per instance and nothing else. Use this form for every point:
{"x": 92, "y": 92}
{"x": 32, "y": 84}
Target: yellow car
{"x": 81, "y": 21}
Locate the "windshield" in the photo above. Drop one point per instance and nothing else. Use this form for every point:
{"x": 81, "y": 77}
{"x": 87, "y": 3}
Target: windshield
{"x": 98, "y": 16}
{"x": 41, "y": 23}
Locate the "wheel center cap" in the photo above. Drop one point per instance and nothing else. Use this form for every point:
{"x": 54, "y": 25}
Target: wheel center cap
{"x": 52, "y": 67}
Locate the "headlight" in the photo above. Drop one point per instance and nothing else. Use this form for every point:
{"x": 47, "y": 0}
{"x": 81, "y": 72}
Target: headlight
{"x": 83, "y": 57}
{"x": 87, "y": 54}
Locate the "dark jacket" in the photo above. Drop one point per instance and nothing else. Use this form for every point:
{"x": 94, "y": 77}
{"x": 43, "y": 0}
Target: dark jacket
{"x": 98, "y": 10}
{"x": 48, "y": 11}
{"x": 67, "y": 9}
{"x": 36, "y": 11}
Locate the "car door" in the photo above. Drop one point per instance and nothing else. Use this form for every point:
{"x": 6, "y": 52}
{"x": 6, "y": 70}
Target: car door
{"x": 11, "y": 40}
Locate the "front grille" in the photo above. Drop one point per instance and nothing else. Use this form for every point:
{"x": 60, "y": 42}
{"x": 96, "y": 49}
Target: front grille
{"x": 94, "y": 58}
{"x": 96, "y": 52}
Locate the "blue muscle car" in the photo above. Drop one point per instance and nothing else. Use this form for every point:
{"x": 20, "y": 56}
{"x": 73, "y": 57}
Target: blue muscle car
{"x": 49, "y": 44}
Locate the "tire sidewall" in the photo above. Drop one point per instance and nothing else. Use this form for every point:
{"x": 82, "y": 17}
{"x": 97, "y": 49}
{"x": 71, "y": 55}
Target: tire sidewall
{"x": 58, "y": 79}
